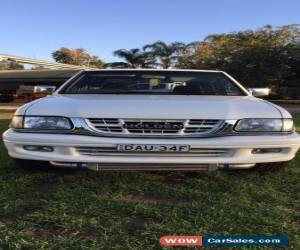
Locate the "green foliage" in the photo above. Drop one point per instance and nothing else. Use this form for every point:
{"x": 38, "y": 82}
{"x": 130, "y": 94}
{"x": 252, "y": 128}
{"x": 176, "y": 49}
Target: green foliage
{"x": 167, "y": 54}
{"x": 76, "y": 57}
{"x": 265, "y": 57}
{"x": 269, "y": 56}
{"x": 133, "y": 58}
{"x": 152, "y": 55}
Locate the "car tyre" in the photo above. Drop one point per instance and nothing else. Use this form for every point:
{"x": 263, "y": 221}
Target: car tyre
{"x": 272, "y": 166}
{"x": 31, "y": 164}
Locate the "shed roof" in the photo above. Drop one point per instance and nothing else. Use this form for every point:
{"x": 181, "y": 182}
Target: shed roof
{"x": 35, "y": 75}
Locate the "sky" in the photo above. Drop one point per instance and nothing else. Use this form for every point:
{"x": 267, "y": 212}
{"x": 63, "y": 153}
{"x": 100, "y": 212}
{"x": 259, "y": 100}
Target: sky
{"x": 35, "y": 28}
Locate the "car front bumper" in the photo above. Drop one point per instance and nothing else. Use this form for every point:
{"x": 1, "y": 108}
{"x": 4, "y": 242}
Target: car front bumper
{"x": 236, "y": 149}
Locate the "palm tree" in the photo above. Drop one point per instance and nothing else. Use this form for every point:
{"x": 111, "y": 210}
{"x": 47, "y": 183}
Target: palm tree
{"x": 166, "y": 53}
{"x": 133, "y": 58}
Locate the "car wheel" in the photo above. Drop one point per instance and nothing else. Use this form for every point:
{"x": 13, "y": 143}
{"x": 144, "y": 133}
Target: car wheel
{"x": 272, "y": 166}
{"x": 31, "y": 164}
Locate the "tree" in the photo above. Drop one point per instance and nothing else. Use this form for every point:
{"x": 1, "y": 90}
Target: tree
{"x": 95, "y": 62}
{"x": 166, "y": 53}
{"x": 265, "y": 57}
{"x": 77, "y": 57}
{"x": 269, "y": 56}
{"x": 133, "y": 58}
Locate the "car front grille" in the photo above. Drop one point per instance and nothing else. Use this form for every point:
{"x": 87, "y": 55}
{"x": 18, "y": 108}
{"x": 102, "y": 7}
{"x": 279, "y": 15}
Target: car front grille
{"x": 113, "y": 150}
{"x": 154, "y": 127}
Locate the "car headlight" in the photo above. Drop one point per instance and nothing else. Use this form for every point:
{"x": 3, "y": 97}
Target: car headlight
{"x": 41, "y": 123}
{"x": 264, "y": 125}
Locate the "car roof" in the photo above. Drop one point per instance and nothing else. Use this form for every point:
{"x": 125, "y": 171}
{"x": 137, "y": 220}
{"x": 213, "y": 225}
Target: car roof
{"x": 151, "y": 69}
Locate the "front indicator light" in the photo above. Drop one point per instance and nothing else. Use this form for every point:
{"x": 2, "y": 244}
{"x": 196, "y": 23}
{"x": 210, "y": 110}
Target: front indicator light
{"x": 288, "y": 125}
{"x": 17, "y": 122}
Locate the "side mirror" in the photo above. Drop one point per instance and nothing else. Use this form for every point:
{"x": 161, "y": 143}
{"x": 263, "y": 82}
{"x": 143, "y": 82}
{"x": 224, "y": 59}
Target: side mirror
{"x": 260, "y": 91}
{"x": 44, "y": 89}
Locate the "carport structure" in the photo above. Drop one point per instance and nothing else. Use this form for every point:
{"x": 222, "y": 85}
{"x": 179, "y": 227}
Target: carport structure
{"x": 17, "y": 85}
{"x": 43, "y": 63}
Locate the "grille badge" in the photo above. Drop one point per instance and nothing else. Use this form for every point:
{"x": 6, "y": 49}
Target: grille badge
{"x": 154, "y": 125}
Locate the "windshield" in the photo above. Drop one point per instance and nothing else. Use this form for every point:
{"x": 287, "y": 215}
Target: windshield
{"x": 152, "y": 83}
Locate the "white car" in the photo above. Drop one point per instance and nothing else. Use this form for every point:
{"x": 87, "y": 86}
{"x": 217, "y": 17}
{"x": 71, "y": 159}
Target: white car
{"x": 153, "y": 120}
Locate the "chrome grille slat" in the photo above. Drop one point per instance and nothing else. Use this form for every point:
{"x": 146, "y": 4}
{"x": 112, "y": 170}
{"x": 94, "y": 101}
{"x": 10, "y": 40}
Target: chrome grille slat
{"x": 197, "y": 152}
{"x": 96, "y": 149}
{"x": 202, "y": 126}
{"x": 153, "y": 127}
{"x": 149, "y": 154}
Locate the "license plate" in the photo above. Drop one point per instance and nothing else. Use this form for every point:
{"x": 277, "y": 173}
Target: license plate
{"x": 153, "y": 148}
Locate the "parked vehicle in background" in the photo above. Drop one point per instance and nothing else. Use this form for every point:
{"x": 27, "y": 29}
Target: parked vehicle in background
{"x": 6, "y": 98}
{"x": 153, "y": 119}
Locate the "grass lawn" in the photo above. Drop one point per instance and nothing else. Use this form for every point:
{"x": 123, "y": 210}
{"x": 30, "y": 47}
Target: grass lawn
{"x": 63, "y": 209}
